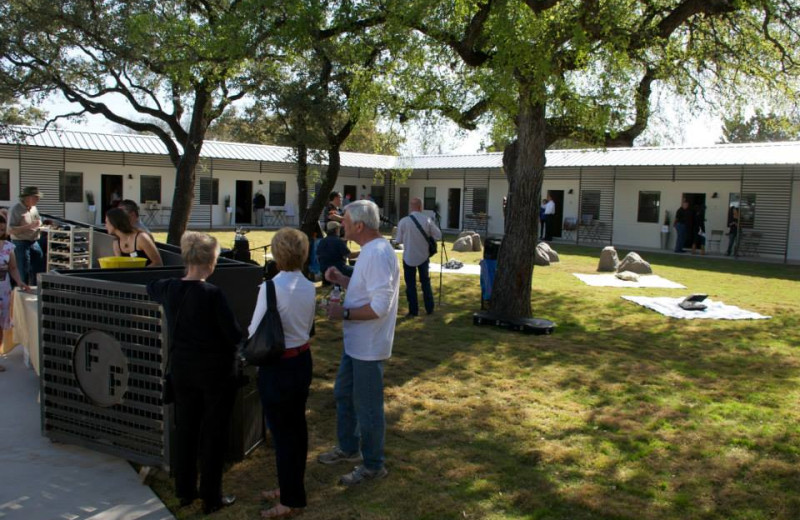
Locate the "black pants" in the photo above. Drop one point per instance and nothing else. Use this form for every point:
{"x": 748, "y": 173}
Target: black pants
{"x": 202, "y": 422}
{"x": 283, "y": 388}
{"x": 548, "y": 227}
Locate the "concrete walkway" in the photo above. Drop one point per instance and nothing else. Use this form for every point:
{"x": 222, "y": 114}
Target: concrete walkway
{"x": 41, "y": 480}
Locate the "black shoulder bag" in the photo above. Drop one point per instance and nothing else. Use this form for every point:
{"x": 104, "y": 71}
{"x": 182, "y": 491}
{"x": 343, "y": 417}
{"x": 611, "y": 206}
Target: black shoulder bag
{"x": 268, "y": 344}
{"x": 431, "y": 241}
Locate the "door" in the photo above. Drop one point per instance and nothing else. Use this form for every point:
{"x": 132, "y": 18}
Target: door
{"x": 558, "y": 219}
{"x": 404, "y": 201}
{"x": 454, "y": 208}
{"x": 352, "y": 190}
{"x": 244, "y": 202}
{"x": 111, "y": 188}
{"x": 697, "y": 215}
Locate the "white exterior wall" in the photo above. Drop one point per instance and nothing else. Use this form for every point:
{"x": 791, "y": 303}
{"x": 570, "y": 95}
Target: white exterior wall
{"x": 417, "y": 189}
{"x": 629, "y": 232}
{"x": 498, "y": 188}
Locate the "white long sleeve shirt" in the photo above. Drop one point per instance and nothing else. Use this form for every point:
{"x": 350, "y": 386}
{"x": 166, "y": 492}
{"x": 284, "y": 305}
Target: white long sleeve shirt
{"x": 415, "y": 247}
{"x": 375, "y": 281}
{"x": 296, "y": 302}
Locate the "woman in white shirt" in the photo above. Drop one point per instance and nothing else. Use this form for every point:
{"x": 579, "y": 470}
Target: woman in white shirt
{"x": 283, "y": 385}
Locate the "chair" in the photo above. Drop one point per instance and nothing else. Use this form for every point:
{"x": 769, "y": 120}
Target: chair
{"x": 569, "y": 227}
{"x": 715, "y": 239}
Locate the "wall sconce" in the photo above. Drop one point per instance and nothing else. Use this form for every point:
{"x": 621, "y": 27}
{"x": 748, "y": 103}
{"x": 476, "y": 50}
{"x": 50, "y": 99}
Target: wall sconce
{"x": 570, "y": 191}
{"x": 130, "y": 176}
{"x": 260, "y": 181}
{"x": 715, "y": 196}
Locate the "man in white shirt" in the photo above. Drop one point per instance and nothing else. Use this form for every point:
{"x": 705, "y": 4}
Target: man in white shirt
{"x": 549, "y": 218}
{"x": 369, "y": 313}
{"x": 415, "y": 255}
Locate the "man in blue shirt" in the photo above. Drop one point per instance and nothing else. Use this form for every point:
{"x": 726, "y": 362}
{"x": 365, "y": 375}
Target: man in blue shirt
{"x": 332, "y": 251}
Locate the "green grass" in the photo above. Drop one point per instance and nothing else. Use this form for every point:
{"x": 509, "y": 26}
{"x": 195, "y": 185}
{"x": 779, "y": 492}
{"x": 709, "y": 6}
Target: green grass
{"x": 620, "y": 414}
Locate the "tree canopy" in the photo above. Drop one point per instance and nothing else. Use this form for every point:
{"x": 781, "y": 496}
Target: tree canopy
{"x": 760, "y": 127}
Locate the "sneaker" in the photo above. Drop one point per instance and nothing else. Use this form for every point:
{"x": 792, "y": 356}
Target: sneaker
{"x": 337, "y": 455}
{"x": 360, "y": 474}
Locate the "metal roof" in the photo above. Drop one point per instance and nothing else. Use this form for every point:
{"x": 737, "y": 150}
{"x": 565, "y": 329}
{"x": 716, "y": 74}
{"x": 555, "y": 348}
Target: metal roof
{"x": 786, "y": 153}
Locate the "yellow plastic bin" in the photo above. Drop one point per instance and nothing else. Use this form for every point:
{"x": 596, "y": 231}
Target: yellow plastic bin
{"x": 117, "y": 262}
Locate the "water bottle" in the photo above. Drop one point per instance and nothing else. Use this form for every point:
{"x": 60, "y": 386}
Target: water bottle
{"x": 336, "y": 295}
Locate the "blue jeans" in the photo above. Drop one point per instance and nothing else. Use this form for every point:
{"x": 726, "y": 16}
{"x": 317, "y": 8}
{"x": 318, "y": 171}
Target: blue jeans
{"x": 680, "y": 241}
{"x": 30, "y": 260}
{"x": 360, "y": 421}
{"x": 410, "y": 275}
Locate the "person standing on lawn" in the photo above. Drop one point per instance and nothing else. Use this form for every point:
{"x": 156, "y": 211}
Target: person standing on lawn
{"x": 369, "y": 314}
{"x": 415, "y": 255}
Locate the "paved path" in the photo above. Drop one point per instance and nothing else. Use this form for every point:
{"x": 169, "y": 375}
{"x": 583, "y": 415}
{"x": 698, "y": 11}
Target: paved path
{"x": 41, "y": 480}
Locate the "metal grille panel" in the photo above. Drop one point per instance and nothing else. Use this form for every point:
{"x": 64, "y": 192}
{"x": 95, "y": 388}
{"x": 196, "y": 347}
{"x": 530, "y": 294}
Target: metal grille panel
{"x": 39, "y": 167}
{"x": 773, "y": 189}
{"x": 135, "y": 427}
{"x": 601, "y": 180}
{"x": 473, "y": 180}
{"x": 87, "y": 156}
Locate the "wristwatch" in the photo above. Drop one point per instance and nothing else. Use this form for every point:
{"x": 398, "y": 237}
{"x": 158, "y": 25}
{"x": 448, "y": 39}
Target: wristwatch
{"x": 346, "y": 314}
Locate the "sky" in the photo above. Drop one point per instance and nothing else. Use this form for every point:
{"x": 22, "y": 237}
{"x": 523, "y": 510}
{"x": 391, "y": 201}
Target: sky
{"x": 674, "y": 126}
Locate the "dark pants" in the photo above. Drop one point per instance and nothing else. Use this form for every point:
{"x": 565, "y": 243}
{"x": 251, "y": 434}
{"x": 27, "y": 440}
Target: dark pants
{"x": 410, "y": 275}
{"x": 731, "y": 241}
{"x": 542, "y": 223}
{"x": 548, "y": 227}
{"x": 202, "y": 422}
{"x": 680, "y": 241}
{"x": 30, "y": 260}
{"x": 283, "y": 388}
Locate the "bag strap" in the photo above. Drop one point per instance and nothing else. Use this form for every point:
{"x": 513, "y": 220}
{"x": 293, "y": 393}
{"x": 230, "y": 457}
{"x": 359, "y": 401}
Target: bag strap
{"x": 420, "y": 228}
{"x": 272, "y": 298}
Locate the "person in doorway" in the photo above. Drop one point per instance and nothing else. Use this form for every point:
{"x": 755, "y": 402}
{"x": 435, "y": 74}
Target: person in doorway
{"x": 369, "y": 314}
{"x": 681, "y": 225}
{"x": 8, "y": 272}
{"x": 259, "y": 205}
{"x": 115, "y": 198}
{"x": 699, "y": 229}
{"x": 203, "y": 334}
{"x": 347, "y": 200}
{"x": 549, "y": 218}
{"x": 542, "y": 222}
{"x": 415, "y": 255}
{"x": 733, "y": 229}
{"x": 24, "y": 225}
{"x": 132, "y": 209}
{"x": 130, "y": 241}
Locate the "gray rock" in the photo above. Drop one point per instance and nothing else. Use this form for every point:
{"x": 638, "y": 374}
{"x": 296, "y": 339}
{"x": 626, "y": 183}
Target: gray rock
{"x": 466, "y": 233}
{"x": 628, "y": 276}
{"x": 609, "y": 260}
{"x": 634, "y": 263}
{"x": 463, "y": 244}
{"x": 551, "y": 253}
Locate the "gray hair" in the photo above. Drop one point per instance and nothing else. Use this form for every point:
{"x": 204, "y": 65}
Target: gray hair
{"x": 365, "y": 211}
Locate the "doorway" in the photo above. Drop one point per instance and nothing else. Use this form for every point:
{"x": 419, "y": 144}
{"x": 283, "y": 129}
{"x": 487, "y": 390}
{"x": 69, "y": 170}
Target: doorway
{"x": 405, "y": 195}
{"x": 454, "y": 208}
{"x": 111, "y": 188}
{"x": 697, "y": 215}
{"x": 558, "y": 218}
{"x": 352, "y": 190}
{"x": 244, "y": 202}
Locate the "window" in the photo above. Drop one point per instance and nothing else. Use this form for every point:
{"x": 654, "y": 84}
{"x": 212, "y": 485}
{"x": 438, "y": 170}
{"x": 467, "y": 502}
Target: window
{"x": 430, "y": 199}
{"x": 649, "y": 206}
{"x": 70, "y": 186}
{"x": 377, "y": 193}
{"x": 150, "y": 188}
{"x": 479, "y": 200}
{"x": 277, "y": 193}
{"x": 209, "y": 191}
{"x": 590, "y": 205}
{"x": 746, "y": 202}
{"x": 5, "y": 185}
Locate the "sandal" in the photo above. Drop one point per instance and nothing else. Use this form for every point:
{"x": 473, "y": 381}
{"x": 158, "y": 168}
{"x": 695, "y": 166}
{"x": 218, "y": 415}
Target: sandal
{"x": 280, "y": 511}
{"x": 271, "y": 494}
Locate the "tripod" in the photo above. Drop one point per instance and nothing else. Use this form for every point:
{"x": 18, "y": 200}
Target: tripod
{"x": 270, "y": 268}
{"x": 442, "y": 254}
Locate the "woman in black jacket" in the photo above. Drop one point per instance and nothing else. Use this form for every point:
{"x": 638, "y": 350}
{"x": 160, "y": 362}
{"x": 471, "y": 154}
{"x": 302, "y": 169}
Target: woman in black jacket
{"x": 203, "y": 336}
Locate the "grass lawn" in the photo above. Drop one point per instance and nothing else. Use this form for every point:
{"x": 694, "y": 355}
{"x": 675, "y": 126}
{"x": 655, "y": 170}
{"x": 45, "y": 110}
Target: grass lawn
{"x": 620, "y": 414}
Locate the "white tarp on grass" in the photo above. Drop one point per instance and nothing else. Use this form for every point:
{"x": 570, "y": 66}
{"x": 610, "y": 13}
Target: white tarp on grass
{"x": 668, "y": 306}
{"x": 467, "y": 269}
{"x": 610, "y": 280}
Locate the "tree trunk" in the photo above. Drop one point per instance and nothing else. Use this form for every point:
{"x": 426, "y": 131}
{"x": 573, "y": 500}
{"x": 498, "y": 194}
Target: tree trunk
{"x": 523, "y": 161}
{"x": 302, "y": 183}
{"x": 183, "y": 197}
{"x": 310, "y": 226}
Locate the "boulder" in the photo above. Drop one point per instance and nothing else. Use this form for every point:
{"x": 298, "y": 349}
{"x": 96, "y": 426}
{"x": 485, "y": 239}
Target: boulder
{"x": 551, "y": 253}
{"x": 540, "y": 257}
{"x": 466, "y": 233}
{"x": 634, "y": 263}
{"x": 628, "y": 276}
{"x": 609, "y": 260}
{"x": 476, "y": 242}
{"x": 463, "y": 244}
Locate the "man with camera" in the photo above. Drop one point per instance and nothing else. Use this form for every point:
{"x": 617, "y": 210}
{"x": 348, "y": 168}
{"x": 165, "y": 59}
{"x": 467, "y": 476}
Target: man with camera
{"x": 413, "y": 232}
